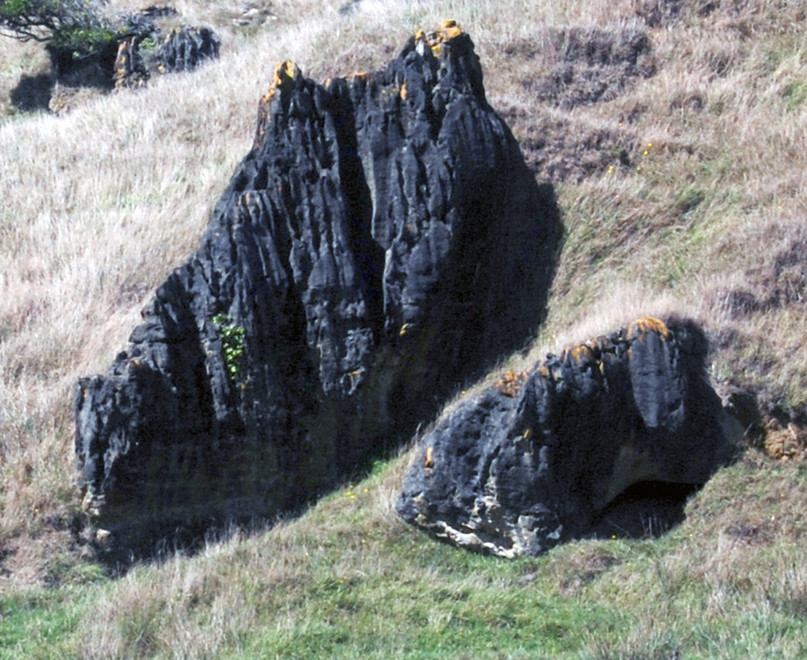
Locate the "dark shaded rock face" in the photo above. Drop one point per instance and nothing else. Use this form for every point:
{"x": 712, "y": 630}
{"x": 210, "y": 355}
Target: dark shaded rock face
{"x": 381, "y": 243}
{"x": 533, "y": 460}
{"x": 93, "y": 69}
{"x": 184, "y": 49}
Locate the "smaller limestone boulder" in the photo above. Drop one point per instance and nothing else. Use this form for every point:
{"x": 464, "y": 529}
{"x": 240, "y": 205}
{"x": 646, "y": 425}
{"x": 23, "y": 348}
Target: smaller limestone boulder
{"x": 147, "y": 49}
{"x": 532, "y": 460}
{"x": 184, "y": 49}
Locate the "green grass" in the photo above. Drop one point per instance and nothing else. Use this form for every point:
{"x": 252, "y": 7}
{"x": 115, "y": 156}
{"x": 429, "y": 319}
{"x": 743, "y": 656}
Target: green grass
{"x": 38, "y": 624}
{"x": 346, "y": 580}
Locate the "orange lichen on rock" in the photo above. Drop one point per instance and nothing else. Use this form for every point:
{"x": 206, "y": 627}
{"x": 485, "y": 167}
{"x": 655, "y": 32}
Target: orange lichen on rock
{"x": 510, "y": 383}
{"x": 284, "y": 71}
{"x": 648, "y": 324}
{"x": 448, "y": 30}
{"x": 582, "y": 352}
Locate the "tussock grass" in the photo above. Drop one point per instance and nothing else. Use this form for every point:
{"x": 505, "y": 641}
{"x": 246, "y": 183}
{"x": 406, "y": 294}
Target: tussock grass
{"x": 686, "y": 199}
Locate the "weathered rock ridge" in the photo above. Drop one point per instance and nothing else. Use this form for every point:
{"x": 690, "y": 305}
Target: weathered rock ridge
{"x": 381, "y": 243}
{"x": 532, "y": 460}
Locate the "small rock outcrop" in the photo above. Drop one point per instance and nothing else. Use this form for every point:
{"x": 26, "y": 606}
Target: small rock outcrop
{"x": 147, "y": 51}
{"x": 382, "y": 243}
{"x": 533, "y": 459}
{"x": 136, "y": 47}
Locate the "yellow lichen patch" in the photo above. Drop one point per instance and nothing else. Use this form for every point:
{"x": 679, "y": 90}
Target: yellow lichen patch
{"x": 510, "y": 383}
{"x": 270, "y": 93}
{"x": 283, "y": 71}
{"x": 420, "y": 35}
{"x": 648, "y": 324}
{"x": 289, "y": 69}
{"x": 404, "y": 329}
{"x": 402, "y": 92}
{"x": 450, "y": 29}
{"x": 429, "y": 457}
{"x": 527, "y": 434}
{"x": 544, "y": 371}
{"x": 582, "y": 352}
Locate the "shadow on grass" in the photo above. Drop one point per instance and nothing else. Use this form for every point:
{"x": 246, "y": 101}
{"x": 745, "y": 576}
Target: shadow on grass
{"x": 33, "y": 93}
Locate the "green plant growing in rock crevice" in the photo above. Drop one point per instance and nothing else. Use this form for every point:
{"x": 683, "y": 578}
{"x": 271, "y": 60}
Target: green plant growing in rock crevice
{"x": 232, "y": 342}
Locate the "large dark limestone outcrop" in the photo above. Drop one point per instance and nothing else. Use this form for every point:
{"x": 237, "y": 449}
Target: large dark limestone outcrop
{"x": 382, "y": 243}
{"x": 532, "y": 460}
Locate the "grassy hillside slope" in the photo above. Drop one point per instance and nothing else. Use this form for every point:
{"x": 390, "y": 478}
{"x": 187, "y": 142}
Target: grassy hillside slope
{"x": 674, "y": 134}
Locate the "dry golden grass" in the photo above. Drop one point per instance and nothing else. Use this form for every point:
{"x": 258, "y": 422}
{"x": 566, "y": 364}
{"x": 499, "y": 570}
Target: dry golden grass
{"x": 100, "y": 204}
